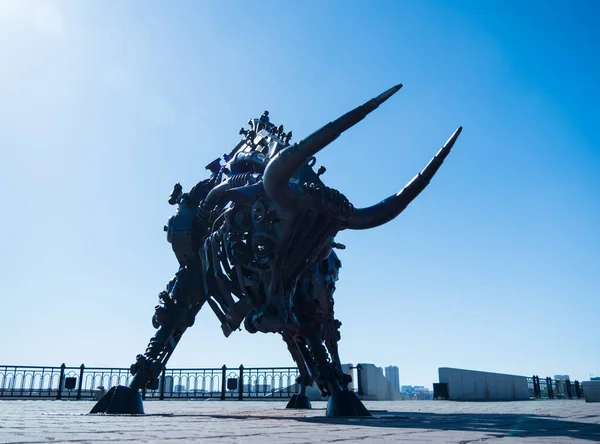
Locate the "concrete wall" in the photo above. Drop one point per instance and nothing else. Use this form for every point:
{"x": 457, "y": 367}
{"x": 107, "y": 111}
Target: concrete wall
{"x": 591, "y": 391}
{"x": 470, "y": 385}
{"x": 375, "y": 386}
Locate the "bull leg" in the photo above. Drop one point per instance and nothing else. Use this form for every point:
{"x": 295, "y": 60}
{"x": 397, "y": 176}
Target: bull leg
{"x": 175, "y": 313}
{"x": 331, "y": 336}
{"x": 342, "y": 402}
{"x": 299, "y": 400}
{"x": 325, "y": 376}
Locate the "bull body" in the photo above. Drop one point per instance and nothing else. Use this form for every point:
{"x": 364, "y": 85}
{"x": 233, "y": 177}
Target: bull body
{"x": 255, "y": 242}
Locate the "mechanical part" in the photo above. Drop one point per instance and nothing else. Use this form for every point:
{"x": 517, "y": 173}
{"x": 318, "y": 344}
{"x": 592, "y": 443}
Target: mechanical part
{"x": 175, "y": 194}
{"x": 215, "y": 166}
{"x": 179, "y": 234}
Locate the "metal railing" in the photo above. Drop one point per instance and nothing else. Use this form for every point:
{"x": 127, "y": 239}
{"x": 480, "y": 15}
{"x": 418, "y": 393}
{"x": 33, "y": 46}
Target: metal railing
{"x": 47, "y": 382}
{"x": 92, "y": 382}
{"x": 31, "y": 382}
{"x": 226, "y": 383}
{"x": 19, "y": 381}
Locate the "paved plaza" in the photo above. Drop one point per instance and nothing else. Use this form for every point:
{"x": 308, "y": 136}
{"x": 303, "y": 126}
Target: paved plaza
{"x": 549, "y": 421}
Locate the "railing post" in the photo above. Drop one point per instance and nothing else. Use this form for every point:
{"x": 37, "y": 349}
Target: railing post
{"x": 241, "y": 384}
{"x": 550, "y": 388}
{"x": 223, "y": 382}
{"x": 537, "y": 390}
{"x": 359, "y": 382}
{"x": 13, "y": 385}
{"x": 162, "y": 384}
{"x": 81, "y": 368}
{"x": 60, "y": 380}
{"x": 569, "y": 389}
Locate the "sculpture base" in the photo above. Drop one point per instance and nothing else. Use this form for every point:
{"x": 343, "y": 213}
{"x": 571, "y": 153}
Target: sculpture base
{"x": 299, "y": 402}
{"x": 120, "y": 400}
{"x": 345, "y": 403}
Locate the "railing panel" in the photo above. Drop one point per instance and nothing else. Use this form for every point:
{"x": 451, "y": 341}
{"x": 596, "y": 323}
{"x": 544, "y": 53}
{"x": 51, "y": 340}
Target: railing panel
{"x": 270, "y": 382}
{"x": 20, "y": 381}
{"x": 188, "y": 383}
{"x": 98, "y": 380}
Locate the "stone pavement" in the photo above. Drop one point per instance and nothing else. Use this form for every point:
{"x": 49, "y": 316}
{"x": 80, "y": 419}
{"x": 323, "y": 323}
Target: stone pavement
{"x": 549, "y": 421}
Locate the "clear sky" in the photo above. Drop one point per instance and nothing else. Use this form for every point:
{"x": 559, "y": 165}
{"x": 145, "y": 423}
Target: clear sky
{"x": 104, "y": 105}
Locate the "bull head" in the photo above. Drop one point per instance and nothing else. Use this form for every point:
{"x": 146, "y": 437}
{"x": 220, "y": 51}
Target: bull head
{"x": 285, "y": 163}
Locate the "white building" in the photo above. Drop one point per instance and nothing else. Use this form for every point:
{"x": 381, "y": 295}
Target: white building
{"x": 392, "y": 374}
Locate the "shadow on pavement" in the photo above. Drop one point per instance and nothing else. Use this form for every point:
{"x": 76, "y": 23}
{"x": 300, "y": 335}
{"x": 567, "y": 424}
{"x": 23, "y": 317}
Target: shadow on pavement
{"x": 493, "y": 425}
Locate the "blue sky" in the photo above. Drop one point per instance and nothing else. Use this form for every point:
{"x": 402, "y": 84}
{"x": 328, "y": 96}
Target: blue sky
{"x": 104, "y": 105}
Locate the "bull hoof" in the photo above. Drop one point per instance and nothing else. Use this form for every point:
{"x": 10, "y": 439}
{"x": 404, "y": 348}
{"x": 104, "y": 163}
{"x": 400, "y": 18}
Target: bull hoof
{"x": 345, "y": 403}
{"x": 299, "y": 402}
{"x": 120, "y": 400}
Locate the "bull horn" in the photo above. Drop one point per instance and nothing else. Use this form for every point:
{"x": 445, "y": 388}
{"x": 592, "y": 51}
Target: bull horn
{"x": 388, "y": 209}
{"x": 285, "y": 163}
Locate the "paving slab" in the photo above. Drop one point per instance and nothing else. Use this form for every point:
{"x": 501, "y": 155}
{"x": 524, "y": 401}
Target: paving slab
{"x": 548, "y": 421}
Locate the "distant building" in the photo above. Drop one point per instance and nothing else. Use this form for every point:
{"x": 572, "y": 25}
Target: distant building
{"x": 560, "y": 386}
{"x": 416, "y": 392}
{"x": 257, "y": 388}
{"x": 392, "y": 374}
{"x": 168, "y": 384}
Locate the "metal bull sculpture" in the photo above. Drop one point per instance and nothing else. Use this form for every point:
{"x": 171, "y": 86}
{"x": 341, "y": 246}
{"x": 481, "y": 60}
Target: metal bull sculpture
{"x": 255, "y": 241}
